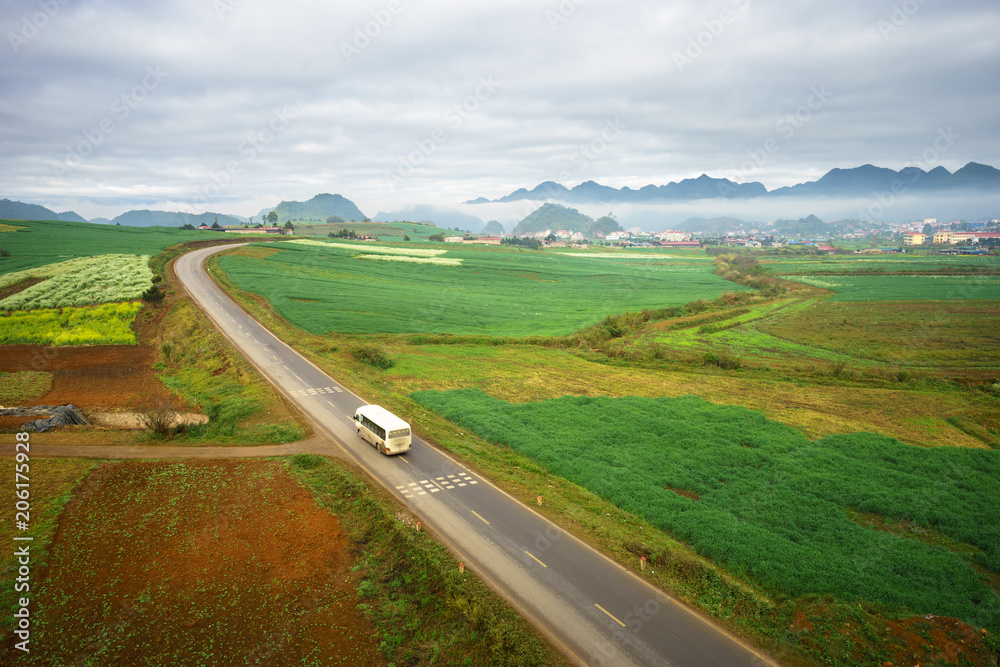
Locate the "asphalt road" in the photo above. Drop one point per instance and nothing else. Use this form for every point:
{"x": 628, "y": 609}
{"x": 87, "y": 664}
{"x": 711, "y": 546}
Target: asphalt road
{"x": 594, "y": 610}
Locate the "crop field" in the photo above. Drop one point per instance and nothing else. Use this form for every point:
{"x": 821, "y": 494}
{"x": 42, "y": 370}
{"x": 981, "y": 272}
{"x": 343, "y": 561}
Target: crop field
{"x": 203, "y": 562}
{"x": 492, "y": 291}
{"x": 905, "y": 288}
{"x": 887, "y": 263}
{"x": 768, "y": 503}
{"x": 387, "y": 231}
{"x": 955, "y": 334}
{"x": 20, "y": 387}
{"x": 80, "y": 282}
{"x": 47, "y": 242}
{"x": 108, "y": 324}
{"x": 52, "y": 484}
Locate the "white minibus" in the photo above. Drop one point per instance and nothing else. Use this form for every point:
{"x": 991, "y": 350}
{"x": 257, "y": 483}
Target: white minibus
{"x": 385, "y": 431}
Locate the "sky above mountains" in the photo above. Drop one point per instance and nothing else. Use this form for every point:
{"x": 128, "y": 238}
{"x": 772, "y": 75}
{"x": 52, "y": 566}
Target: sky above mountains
{"x": 233, "y": 105}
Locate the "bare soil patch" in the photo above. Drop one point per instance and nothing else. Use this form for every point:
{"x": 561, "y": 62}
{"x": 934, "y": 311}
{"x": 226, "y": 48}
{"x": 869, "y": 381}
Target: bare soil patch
{"x": 104, "y": 376}
{"x": 199, "y": 562}
{"x": 11, "y": 290}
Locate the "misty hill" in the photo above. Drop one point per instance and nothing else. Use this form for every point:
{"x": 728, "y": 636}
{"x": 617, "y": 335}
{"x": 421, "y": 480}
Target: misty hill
{"x": 439, "y": 216}
{"x": 859, "y": 181}
{"x": 812, "y": 227}
{"x": 556, "y": 216}
{"x": 319, "y": 208}
{"x": 493, "y": 228}
{"x": 147, "y": 218}
{"x": 99, "y": 221}
{"x": 16, "y": 210}
{"x": 718, "y": 226}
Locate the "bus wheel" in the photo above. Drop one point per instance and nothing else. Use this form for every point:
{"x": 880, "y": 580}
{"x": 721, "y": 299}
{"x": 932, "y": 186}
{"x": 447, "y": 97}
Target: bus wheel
{"x": 381, "y": 449}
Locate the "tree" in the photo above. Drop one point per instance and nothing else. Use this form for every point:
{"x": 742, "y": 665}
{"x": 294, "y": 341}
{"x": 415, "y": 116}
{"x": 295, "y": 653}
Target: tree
{"x": 187, "y": 225}
{"x": 436, "y": 237}
{"x": 928, "y": 229}
{"x": 406, "y": 237}
{"x": 215, "y": 224}
{"x": 288, "y": 225}
{"x": 153, "y": 295}
{"x": 272, "y": 218}
{"x": 334, "y": 219}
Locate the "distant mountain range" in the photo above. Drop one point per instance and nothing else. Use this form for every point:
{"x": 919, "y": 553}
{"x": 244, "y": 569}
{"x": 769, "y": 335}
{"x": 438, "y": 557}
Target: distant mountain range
{"x": 857, "y": 182}
{"x": 145, "y": 218}
{"x": 16, "y": 210}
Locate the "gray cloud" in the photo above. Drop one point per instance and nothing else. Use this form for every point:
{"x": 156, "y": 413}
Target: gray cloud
{"x": 362, "y": 89}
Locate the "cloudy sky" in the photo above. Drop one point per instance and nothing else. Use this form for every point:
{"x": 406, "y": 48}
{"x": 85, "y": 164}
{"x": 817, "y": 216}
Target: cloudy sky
{"x": 234, "y": 105}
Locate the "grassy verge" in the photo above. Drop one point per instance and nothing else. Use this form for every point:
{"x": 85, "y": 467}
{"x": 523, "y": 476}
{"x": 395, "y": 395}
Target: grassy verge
{"x": 410, "y": 586}
{"x": 201, "y": 366}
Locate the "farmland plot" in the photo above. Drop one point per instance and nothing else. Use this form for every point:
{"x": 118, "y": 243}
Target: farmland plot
{"x": 326, "y": 287}
{"x": 79, "y": 282}
{"x": 765, "y": 501}
{"x": 108, "y": 324}
{"x": 203, "y": 562}
{"x": 905, "y": 288}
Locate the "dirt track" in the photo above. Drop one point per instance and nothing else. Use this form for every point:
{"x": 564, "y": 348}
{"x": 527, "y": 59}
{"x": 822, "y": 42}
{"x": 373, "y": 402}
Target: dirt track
{"x": 319, "y": 444}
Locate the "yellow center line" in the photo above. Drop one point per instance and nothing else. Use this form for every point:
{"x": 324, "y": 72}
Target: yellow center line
{"x": 404, "y": 460}
{"x": 537, "y": 561}
{"x": 486, "y": 522}
{"x": 609, "y": 614}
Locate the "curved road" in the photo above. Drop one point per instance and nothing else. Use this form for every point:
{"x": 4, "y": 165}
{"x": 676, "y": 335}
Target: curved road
{"x": 594, "y": 610}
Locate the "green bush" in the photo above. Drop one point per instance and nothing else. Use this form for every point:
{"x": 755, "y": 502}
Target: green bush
{"x": 372, "y": 356}
{"x": 307, "y": 461}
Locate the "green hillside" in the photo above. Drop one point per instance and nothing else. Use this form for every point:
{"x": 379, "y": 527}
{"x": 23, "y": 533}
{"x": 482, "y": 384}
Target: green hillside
{"x": 556, "y": 216}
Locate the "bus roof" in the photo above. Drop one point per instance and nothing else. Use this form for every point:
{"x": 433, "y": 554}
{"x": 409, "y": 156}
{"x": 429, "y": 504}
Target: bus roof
{"x": 382, "y": 417}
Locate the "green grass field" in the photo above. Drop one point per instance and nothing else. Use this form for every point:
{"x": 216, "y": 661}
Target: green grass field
{"x": 385, "y": 231}
{"x": 46, "y": 242}
{"x": 887, "y": 263}
{"x": 905, "y": 288}
{"x": 768, "y": 503}
{"x": 492, "y": 291}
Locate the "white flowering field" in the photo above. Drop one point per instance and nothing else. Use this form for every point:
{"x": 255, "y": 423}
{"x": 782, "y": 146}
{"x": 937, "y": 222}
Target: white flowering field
{"x": 385, "y": 250}
{"x": 80, "y": 282}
